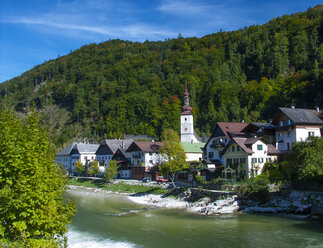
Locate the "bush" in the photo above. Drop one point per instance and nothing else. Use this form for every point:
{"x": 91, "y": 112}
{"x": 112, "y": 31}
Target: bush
{"x": 199, "y": 179}
{"x": 256, "y": 189}
{"x": 219, "y": 181}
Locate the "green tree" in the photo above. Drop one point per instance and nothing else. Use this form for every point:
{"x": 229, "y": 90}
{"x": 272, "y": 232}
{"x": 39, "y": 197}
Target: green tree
{"x": 79, "y": 167}
{"x": 111, "y": 171}
{"x": 32, "y": 209}
{"x": 305, "y": 162}
{"x": 174, "y": 154}
{"x": 94, "y": 168}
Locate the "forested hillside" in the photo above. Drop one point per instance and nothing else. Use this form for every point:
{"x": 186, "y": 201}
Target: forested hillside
{"x": 120, "y": 87}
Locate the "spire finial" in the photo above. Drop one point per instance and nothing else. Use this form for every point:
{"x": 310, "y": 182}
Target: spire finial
{"x": 186, "y": 106}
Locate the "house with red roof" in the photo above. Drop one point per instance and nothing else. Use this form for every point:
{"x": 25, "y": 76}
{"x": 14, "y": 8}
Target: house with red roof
{"x": 145, "y": 156}
{"x": 246, "y": 157}
{"x": 220, "y": 137}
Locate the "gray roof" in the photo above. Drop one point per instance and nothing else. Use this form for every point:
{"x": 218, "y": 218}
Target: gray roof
{"x": 80, "y": 147}
{"x": 67, "y": 150}
{"x": 263, "y": 125}
{"x": 115, "y": 144}
{"x": 87, "y": 148}
{"x": 301, "y": 116}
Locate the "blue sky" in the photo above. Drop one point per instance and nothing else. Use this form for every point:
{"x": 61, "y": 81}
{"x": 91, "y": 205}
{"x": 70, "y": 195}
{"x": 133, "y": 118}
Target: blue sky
{"x": 34, "y": 31}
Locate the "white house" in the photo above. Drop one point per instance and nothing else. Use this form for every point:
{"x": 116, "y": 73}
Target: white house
{"x": 245, "y": 157}
{"x": 109, "y": 147}
{"x": 193, "y": 151}
{"x": 295, "y": 125}
{"x": 85, "y": 153}
{"x": 144, "y": 156}
{"x": 220, "y": 137}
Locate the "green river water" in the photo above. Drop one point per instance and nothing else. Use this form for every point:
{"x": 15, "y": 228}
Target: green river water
{"x": 111, "y": 220}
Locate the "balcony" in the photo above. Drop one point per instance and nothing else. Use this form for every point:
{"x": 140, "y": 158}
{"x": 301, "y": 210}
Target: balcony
{"x": 217, "y": 145}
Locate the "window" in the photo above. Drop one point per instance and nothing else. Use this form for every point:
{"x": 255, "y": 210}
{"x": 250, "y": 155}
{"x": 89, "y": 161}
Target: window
{"x": 260, "y": 160}
{"x": 150, "y": 154}
{"x": 229, "y": 161}
{"x": 254, "y": 160}
{"x": 150, "y": 161}
{"x": 235, "y": 161}
{"x": 242, "y": 160}
{"x": 288, "y": 146}
{"x": 232, "y": 148}
{"x": 259, "y": 147}
{"x": 268, "y": 159}
{"x": 238, "y": 148}
{"x": 185, "y": 128}
{"x": 310, "y": 134}
{"x": 185, "y": 119}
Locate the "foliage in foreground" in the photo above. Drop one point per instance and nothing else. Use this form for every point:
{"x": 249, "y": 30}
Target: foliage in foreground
{"x": 305, "y": 162}
{"x": 256, "y": 189}
{"x": 31, "y": 185}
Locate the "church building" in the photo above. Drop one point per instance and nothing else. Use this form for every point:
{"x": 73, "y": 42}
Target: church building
{"x": 187, "y": 124}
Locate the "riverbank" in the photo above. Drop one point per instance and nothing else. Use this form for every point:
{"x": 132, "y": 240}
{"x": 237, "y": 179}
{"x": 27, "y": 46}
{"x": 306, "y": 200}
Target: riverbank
{"x": 209, "y": 202}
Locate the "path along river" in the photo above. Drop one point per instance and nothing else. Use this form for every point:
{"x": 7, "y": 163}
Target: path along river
{"x": 112, "y": 220}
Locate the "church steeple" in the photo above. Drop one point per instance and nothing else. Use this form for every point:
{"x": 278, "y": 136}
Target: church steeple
{"x": 186, "y": 106}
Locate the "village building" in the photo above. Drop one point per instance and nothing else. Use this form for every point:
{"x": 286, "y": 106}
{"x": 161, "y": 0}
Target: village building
{"x": 123, "y": 160}
{"x": 295, "y": 125}
{"x": 220, "y": 137}
{"x": 193, "y": 151}
{"x": 109, "y": 147}
{"x": 82, "y": 152}
{"x": 246, "y": 157}
{"x": 145, "y": 156}
{"x": 188, "y": 133}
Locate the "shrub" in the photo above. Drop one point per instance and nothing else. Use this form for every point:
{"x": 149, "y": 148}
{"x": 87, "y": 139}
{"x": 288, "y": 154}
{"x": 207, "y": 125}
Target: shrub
{"x": 199, "y": 179}
{"x": 256, "y": 189}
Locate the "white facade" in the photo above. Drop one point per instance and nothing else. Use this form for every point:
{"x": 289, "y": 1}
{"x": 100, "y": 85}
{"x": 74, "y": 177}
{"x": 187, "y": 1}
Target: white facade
{"x": 253, "y": 163}
{"x": 214, "y": 147}
{"x": 104, "y": 159}
{"x": 192, "y": 156}
{"x": 286, "y": 138}
{"x": 65, "y": 161}
{"x": 187, "y": 129}
{"x": 146, "y": 159}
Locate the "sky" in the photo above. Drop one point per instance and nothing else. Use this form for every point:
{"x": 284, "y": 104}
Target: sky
{"x": 35, "y": 31}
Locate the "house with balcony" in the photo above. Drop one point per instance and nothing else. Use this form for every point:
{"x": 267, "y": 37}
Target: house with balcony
{"x": 295, "y": 125}
{"x": 145, "y": 156}
{"x": 123, "y": 160}
{"x": 246, "y": 157}
{"x": 220, "y": 137}
{"x": 109, "y": 147}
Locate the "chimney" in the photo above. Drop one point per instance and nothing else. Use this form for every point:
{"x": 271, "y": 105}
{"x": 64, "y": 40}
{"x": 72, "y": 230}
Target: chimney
{"x": 242, "y": 121}
{"x": 317, "y": 109}
{"x": 293, "y": 105}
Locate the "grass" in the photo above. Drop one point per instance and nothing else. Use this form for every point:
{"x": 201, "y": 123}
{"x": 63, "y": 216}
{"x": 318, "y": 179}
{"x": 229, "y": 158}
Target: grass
{"x": 119, "y": 187}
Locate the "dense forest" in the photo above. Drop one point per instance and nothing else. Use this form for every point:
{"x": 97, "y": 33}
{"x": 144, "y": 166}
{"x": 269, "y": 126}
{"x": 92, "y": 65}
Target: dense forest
{"x": 121, "y": 87}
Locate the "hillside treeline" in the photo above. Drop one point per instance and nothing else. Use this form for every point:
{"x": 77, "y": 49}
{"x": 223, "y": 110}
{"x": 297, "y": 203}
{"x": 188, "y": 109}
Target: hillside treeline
{"x": 120, "y": 87}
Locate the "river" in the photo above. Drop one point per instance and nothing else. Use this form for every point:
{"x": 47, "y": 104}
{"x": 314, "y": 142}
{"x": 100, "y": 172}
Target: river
{"x": 112, "y": 220}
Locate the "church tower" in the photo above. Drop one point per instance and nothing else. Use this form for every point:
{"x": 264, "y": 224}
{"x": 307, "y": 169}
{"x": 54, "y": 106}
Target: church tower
{"x": 187, "y": 123}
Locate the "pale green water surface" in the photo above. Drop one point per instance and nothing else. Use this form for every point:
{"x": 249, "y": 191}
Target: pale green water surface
{"x": 111, "y": 220}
